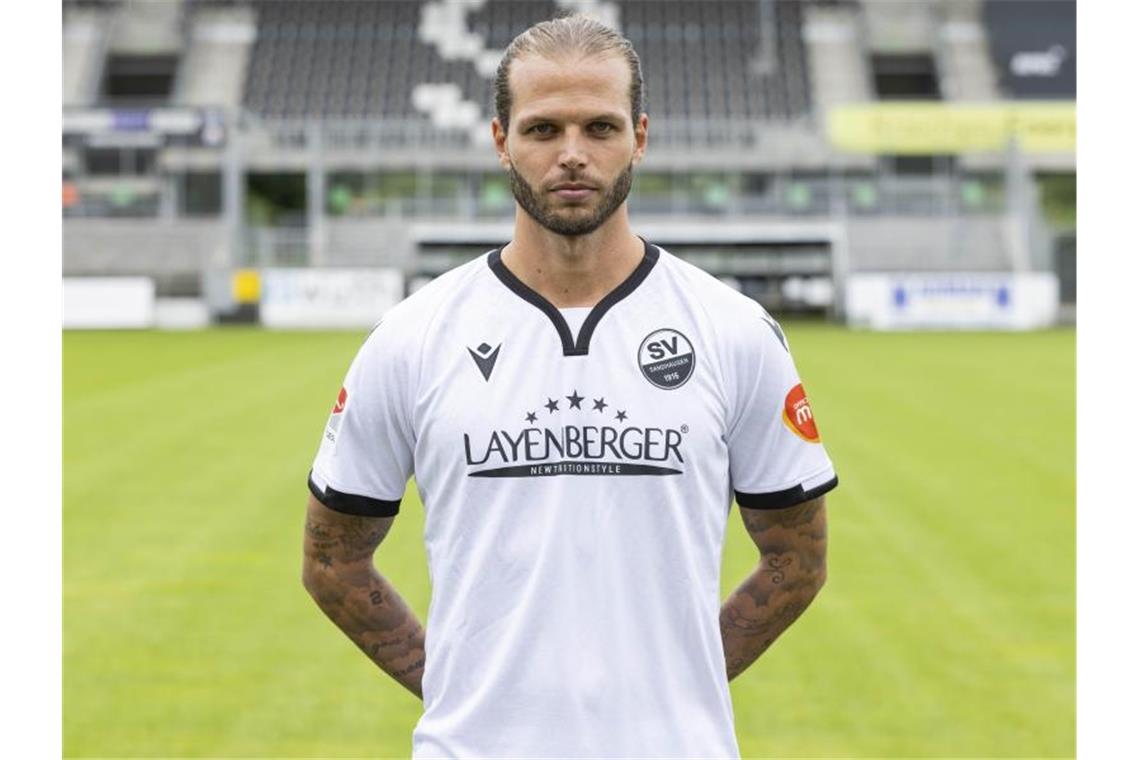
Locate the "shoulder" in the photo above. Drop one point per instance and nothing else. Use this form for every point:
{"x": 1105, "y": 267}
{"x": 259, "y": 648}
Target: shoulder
{"x": 721, "y": 301}
{"x": 411, "y": 316}
{"x": 407, "y": 323}
{"x": 733, "y": 316}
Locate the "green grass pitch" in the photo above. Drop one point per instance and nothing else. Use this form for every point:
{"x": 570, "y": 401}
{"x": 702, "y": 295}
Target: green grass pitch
{"x": 947, "y": 627}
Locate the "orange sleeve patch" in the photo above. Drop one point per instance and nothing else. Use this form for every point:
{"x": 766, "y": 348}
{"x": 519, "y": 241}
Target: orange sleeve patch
{"x": 798, "y": 416}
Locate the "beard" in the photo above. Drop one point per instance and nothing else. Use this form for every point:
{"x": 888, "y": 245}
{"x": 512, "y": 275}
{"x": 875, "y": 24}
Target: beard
{"x": 570, "y": 224}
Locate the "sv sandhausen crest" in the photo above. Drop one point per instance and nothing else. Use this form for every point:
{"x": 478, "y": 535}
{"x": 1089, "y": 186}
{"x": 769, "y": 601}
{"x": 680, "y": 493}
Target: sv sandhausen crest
{"x": 666, "y": 358}
{"x": 579, "y": 439}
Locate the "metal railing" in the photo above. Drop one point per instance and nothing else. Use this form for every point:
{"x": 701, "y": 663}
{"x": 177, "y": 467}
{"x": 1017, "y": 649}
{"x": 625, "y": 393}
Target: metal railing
{"x": 367, "y": 133}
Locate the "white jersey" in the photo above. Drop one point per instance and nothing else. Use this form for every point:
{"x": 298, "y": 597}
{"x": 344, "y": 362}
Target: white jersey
{"x": 576, "y": 484}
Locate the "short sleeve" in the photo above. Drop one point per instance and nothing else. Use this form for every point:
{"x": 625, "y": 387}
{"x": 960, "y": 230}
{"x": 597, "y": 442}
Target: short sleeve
{"x": 366, "y": 452}
{"x": 776, "y": 458}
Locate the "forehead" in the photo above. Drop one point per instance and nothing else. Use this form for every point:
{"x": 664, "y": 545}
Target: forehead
{"x": 569, "y": 86}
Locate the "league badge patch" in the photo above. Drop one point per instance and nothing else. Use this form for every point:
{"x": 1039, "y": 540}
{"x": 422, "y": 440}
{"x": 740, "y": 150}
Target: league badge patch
{"x": 798, "y": 416}
{"x": 333, "y": 426}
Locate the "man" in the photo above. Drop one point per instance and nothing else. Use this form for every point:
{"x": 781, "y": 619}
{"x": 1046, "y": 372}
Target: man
{"x": 577, "y": 407}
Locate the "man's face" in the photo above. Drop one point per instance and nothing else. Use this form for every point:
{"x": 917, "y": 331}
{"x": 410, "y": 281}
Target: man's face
{"x": 570, "y": 125}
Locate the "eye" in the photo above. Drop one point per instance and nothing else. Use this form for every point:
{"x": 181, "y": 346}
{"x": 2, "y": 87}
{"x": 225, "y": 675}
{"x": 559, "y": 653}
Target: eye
{"x": 542, "y": 129}
{"x": 602, "y": 126}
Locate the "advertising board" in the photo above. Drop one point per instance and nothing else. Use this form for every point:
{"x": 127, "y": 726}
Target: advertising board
{"x": 328, "y": 298}
{"x": 953, "y": 300}
{"x": 108, "y": 303}
{"x": 925, "y": 128}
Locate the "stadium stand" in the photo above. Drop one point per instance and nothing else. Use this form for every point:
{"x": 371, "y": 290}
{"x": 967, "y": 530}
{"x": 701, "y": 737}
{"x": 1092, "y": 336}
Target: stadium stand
{"x": 835, "y": 54}
{"x": 967, "y": 73}
{"x": 176, "y": 255}
{"x": 293, "y": 132}
{"x": 359, "y": 58}
{"x": 217, "y": 56}
{"x": 148, "y": 28}
{"x": 85, "y": 36}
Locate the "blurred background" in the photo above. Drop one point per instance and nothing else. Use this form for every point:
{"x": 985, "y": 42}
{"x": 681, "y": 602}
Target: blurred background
{"x": 249, "y": 184}
{"x": 239, "y": 155}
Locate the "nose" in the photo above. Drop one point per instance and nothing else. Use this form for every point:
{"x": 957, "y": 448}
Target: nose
{"x": 572, "y": 154}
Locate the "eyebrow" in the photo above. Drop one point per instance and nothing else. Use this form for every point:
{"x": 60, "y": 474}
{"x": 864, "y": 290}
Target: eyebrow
{"x": 532, "y": 120}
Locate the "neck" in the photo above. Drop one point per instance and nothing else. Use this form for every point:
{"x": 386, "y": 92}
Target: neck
{"x": 573, "y": 271}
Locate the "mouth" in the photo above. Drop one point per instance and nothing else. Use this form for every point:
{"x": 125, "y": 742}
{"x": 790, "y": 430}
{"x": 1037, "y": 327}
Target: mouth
{"x": 572, "y": 191}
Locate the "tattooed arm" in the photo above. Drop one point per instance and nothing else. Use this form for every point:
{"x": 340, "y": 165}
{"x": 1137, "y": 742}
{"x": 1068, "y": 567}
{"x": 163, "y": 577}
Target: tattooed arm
{"x": 338, "y": 573}
{"x": 791, "y": 571}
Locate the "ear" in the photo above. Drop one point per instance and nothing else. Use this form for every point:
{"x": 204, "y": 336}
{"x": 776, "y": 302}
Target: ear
{"x": 641, "y": 138}
{"x": 499, "y": 136}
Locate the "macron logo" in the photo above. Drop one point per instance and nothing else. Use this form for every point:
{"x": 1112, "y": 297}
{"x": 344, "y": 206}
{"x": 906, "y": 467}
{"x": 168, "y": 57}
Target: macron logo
{"x": 485, "y": 357}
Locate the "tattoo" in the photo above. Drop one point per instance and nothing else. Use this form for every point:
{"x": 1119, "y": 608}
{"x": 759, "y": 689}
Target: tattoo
{"x": 315, "y": 530}
{"x": 415, "y": 666}
{"x": 793, "y": 549}
{"x": 388, "y": 643}
{"x": 341, "y": 578}
{"x": 777, "y": 565}
{"x": 360, "y": 534}
{"x": 733, "y": 617}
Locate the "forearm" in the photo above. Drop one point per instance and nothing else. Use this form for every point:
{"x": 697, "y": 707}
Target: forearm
{"x": 365, "y": 606}
{"x": 762, "y": 607}
{"x": 792, "y": 569}
{"x": 339, "y": 574}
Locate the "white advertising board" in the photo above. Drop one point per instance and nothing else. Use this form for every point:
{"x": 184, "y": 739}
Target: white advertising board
{"x": 953, "y": 300}
{"x": 108, "y": 303}
{"x": 328, "y": 298}
{"x": 181, "y": 314}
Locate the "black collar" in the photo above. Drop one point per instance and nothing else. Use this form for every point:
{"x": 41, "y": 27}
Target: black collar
{"x": 569, "y": 346}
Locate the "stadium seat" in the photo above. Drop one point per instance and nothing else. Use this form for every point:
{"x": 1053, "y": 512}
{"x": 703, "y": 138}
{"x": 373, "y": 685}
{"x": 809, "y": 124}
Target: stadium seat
{"x": 737, "y": 59}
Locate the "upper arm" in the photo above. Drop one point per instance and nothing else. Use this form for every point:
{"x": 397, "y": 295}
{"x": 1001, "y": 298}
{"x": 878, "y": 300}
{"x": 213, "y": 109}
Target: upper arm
{"x": 363, "y": 463}
{"x": 792, "y": 539}
{"x": 776, "y": 458}
{"x": 338, "y": 543}
{"x": 367, "y": 450}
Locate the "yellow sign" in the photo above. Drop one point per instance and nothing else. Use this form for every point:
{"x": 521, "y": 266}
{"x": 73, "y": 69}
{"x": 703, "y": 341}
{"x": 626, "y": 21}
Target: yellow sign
{"x": 925, "y": 128}
{"x": 247, "y": 286}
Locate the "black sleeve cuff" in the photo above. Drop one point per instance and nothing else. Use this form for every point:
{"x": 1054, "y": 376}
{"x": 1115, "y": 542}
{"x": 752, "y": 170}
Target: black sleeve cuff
{"x": 353, "y": 504}
{"x": 789, "y": 497}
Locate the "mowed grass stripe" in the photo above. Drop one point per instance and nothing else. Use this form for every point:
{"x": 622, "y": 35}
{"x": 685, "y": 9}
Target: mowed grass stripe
{"x": 212, "y": 512}
{"x": 939, "y": 547}
{"x": 946, "y": 627}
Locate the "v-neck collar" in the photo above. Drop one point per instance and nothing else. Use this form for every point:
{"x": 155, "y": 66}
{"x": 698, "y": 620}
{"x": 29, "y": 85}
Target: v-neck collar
{"x": 570, "y": 346}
